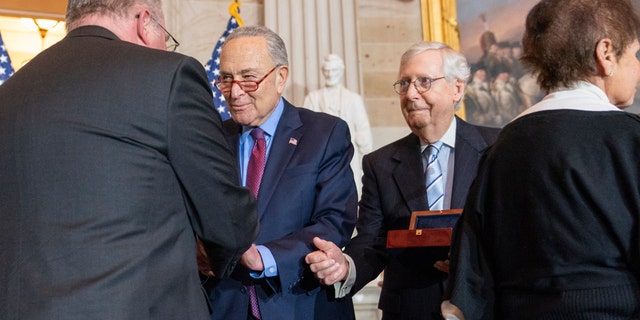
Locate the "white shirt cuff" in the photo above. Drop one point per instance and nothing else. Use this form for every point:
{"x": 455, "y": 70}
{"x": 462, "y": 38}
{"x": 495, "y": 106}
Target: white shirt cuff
{"x": 342, "y": 288}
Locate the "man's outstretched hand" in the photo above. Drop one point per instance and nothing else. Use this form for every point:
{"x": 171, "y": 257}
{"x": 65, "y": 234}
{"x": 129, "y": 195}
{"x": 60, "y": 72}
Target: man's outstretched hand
{"x": 328, "y": 263}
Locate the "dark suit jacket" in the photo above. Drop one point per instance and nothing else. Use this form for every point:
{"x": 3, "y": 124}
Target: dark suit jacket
{"x": 394, "y": 187}
{"x": 307, "y": 190}
{"x": 112, "y": 157}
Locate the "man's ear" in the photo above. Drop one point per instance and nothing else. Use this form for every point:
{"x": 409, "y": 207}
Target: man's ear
{"x": 459, "y": 90}
{"x": 605, "y": 56}
{"x": 281, "y": 78}
{"x": 143, "y": 19}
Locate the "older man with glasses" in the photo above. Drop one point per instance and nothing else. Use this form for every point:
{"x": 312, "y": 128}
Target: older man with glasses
{"x": 112, "y": 162}
{"x": 296, "y": 162}
{"x": 430, "y": 169}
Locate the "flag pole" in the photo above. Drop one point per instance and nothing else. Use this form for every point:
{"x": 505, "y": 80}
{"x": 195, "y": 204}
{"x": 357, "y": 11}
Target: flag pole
{"x": 212, "y": 67}
{"x": 234, "y": 11}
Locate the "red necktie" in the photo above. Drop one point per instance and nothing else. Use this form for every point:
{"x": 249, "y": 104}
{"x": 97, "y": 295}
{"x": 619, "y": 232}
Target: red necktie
{"x": 256, "y": 161}
{"x": 254, "y": 176}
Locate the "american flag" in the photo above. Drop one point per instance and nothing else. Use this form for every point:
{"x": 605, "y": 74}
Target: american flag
{"x": 213, "y": 70}
{"x": 6, "y": 70}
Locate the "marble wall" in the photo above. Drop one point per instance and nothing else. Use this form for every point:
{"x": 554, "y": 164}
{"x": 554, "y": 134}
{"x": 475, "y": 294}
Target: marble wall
{"x": 198, "y": 24}
{"x": 384, "y": 29}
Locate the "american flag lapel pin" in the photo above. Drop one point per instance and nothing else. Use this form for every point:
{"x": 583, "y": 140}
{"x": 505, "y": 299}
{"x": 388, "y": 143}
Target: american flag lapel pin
{"x": 293, "y": 141}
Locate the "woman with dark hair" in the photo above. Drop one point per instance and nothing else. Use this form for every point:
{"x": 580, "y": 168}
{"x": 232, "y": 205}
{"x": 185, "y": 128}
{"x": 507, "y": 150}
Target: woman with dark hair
{"x": 550, "y": 229}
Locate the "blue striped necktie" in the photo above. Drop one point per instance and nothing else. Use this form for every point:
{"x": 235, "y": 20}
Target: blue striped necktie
{"x": 434, "y": 179}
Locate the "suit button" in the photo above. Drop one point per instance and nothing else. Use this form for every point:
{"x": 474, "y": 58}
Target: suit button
{"x": 243, "y": 290}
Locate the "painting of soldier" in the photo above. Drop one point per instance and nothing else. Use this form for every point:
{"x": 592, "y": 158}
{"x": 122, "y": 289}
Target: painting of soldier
{"x": 490, "y": 38}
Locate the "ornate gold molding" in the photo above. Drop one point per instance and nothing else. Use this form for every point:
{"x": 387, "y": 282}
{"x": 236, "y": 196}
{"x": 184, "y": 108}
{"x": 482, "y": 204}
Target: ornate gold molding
{"x": 440, "y": 23}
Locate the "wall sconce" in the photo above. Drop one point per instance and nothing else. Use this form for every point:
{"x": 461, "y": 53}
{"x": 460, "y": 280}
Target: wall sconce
{"x": 43, "y": 26}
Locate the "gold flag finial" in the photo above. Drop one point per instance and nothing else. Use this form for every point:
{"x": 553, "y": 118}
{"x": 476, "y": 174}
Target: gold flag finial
{"x": 234, "y": 11}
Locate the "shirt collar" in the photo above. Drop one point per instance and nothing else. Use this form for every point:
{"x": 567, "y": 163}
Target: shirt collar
{"x": 580, "y": 95}
{"x": 449, "y": 137}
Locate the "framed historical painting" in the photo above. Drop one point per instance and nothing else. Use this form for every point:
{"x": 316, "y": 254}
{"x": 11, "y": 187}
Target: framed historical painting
{"x": 490, "y": 36}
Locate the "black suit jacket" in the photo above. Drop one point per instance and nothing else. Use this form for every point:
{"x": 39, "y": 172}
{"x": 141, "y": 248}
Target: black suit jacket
{"x": 307, "y": 190}
{"x": 394, "y": 187}
{"x": 112, "y": 160}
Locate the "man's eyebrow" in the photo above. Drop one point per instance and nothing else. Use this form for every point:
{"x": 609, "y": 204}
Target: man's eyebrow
{"x": 242, "y": 72}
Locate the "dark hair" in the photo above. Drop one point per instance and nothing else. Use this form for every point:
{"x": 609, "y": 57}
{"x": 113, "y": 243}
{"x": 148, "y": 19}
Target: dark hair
{"x": 561, "y": 36}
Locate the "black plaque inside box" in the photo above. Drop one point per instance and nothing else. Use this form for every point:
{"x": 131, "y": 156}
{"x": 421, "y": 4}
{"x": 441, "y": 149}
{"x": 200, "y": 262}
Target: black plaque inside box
{"x": 434, "y": 219}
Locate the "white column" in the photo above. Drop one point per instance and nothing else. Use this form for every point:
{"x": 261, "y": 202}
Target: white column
{"x": 311, "y": 29}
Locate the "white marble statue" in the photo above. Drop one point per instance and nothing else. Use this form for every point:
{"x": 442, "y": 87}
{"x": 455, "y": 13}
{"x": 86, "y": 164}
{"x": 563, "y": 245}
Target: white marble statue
{"x": 336, "y": 100}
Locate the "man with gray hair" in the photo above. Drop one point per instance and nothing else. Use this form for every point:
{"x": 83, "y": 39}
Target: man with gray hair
{"x": 112, "y": 162}
{"x": 296, "y": 162}
{"x": 397, "y": 181}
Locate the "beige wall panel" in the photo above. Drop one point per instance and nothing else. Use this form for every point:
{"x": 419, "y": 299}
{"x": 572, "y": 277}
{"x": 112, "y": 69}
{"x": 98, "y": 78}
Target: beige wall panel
{"x": 382, "y": 56}
{"x": 385, "y": 8}
{"x": 389, "y": 29}
{"x": 385, "y": 112}
{"x": 198, "y": 24}
{"x": 386, "y": 29}
{"x": 379, "y": 84}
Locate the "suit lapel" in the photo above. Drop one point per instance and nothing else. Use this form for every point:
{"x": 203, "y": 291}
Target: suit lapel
{"x": 469, "y": 149}
{"x": 282, "y": 149}
{"x": 410, "y": 184}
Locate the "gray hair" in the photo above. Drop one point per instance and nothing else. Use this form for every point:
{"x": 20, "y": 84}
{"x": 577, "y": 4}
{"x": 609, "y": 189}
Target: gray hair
{"x": 277, "y": 49}
{"x": 78, "y": 9}
{"x": 454, "y": 64}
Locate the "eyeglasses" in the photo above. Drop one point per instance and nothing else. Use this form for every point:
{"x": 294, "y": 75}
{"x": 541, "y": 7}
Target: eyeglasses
{"x": 225, "y": 84}
{"x": 422, "y": 84}
{"x": 171, "y": 42}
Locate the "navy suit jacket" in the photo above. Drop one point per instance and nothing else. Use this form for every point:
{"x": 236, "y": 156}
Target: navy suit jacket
{"x": 307, "y": 190}
{"x": 394, "y": 187}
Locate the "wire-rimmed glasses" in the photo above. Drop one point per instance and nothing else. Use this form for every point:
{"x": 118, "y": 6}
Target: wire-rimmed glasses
{"x": 171, "y": 42}
{"x": 422, "y": 84}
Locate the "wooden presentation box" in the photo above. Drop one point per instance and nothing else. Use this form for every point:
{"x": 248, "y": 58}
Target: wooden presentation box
{"x": 426, "y": 229}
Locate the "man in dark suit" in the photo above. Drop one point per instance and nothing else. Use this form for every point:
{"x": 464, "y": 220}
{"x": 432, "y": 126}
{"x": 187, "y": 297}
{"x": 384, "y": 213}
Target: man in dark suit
{"x": 431, "y": 84}
{"x": 307, "y": 188}
{"x": 112, "y": 160}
